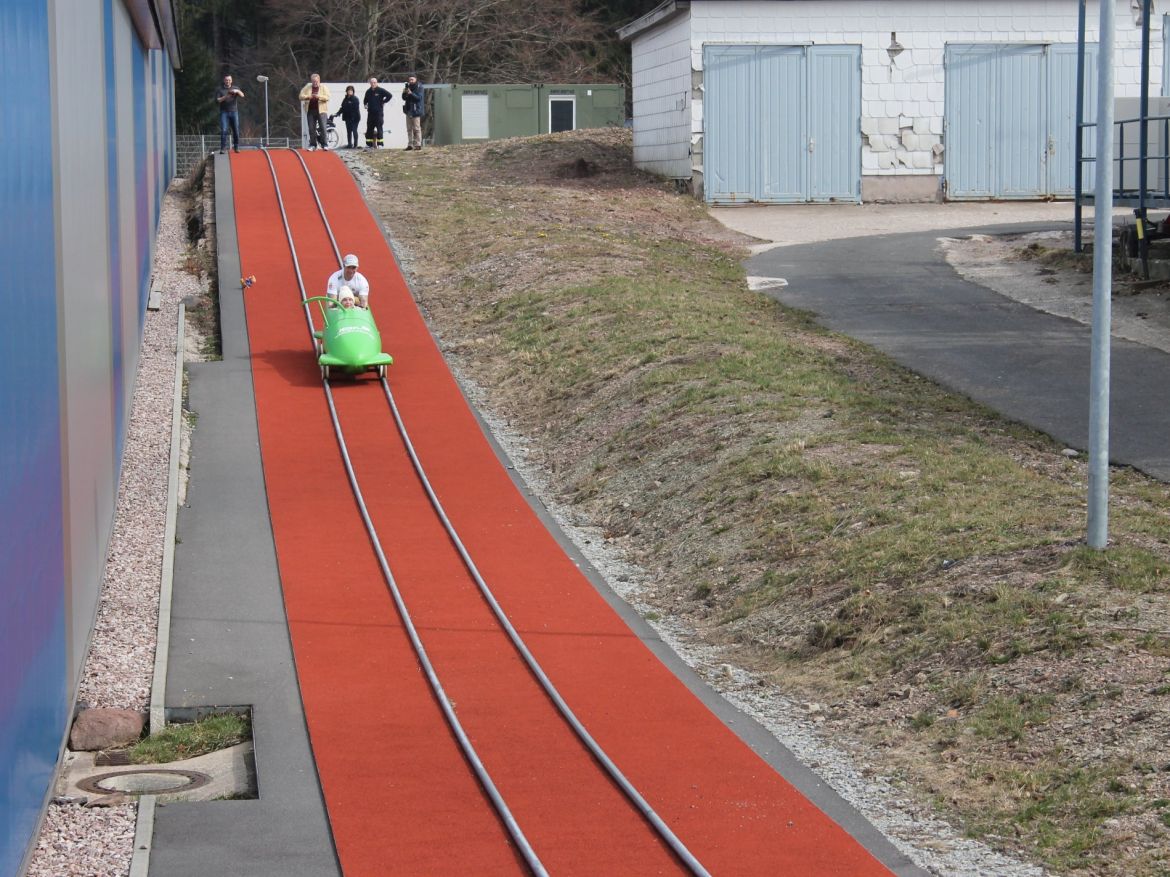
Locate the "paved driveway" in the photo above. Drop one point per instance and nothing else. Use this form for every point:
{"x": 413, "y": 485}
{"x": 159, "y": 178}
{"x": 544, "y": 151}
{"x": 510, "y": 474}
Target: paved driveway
{"x": 787, "y": 224}
{"x": 897, "y": 293}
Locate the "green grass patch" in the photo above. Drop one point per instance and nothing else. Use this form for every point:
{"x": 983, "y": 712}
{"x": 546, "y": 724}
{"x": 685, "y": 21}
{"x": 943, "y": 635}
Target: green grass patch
{"x": 190, "y": 739}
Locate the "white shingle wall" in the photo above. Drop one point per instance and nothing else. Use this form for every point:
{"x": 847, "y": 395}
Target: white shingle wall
{"x": 903, "y": 101}
{"x": 662, "y": 99}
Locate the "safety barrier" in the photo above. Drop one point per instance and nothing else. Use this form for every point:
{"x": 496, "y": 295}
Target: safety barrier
{"x": 190, "y": 149}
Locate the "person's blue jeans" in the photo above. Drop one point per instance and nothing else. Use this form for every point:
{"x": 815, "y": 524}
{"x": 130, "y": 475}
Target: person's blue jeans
{"x": 229, "y": 120}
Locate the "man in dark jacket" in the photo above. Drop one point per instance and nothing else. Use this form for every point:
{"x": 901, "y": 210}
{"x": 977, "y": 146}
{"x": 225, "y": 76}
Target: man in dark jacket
{"x": 229, "y": 117}
{"x": 351, "y": 112}
{"x": 412, "y": 106}
{"x": 374, "y": 100}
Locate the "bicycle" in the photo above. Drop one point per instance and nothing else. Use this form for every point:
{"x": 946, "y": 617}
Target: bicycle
{"x": 332, "y": 138}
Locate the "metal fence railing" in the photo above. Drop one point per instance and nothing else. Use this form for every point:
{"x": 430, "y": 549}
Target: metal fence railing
{"x": 191, "y": 148}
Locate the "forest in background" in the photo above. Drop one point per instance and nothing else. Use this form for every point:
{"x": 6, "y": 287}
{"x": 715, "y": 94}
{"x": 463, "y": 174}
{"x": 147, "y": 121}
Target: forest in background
{"x": 441, "y": 41}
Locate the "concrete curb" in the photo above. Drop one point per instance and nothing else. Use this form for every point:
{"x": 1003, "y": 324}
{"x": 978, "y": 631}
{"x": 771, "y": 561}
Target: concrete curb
{"x": 158, "y": 684}
{"x": 143, "y": 836}
{"x": 144, "y": 825}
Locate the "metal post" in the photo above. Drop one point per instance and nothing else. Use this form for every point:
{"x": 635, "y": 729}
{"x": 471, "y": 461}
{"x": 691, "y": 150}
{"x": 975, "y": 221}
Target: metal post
{"x": 1098, "y": 524}
{"x": 264, "y": 79}
{"x": 1144, "y": 149}
{"x": 1079, "y": 171}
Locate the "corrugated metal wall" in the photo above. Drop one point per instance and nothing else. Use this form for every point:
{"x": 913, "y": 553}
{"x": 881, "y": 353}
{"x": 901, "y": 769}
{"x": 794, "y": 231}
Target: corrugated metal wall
{"x": 664, "y": 111}
{"x": 82, "y": 202}
{"x": 782, "y": 123}
{"x": 33, "y": 702}
{"x": 1010, "y": 118}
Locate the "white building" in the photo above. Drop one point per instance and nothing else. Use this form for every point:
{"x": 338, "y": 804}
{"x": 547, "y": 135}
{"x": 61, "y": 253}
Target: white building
{"x": 897, "y": 100}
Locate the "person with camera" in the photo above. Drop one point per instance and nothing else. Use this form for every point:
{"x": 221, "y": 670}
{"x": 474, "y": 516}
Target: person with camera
{"x": 229, "y": 116}
{"x": 412, "y": 106}
{"x": 375, "y": 100}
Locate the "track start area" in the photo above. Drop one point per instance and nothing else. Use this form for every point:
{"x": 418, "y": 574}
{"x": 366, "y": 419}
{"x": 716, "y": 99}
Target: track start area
{"x": 475, "y": 707}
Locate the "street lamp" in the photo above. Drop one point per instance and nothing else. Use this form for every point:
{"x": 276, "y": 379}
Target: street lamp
{"x": 264, "y": 79}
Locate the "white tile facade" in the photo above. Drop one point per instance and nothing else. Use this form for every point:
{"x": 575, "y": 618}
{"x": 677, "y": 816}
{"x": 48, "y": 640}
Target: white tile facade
{"x": 902, "y": 99}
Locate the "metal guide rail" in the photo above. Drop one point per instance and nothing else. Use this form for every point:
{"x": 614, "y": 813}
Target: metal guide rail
{"x": 602, "y": 759}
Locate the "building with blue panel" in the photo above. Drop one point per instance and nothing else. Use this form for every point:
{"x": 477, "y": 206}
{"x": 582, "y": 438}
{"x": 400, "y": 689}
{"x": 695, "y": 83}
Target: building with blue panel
{"x": 81, "y": 183}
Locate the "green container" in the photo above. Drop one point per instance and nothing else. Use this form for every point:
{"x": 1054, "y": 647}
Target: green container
{"x": 475, "y": 113}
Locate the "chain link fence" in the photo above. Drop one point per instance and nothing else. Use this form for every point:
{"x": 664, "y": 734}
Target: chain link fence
{"x": 190, "y": 149}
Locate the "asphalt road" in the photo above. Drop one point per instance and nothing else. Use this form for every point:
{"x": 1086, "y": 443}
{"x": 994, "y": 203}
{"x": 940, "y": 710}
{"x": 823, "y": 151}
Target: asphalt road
{"x": 897, "y": 293}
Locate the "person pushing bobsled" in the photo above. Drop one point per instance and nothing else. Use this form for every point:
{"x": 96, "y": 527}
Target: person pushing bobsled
{"x": 351, "y": 279}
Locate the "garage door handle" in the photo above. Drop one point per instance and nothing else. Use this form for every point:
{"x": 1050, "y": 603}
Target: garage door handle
{"x": 1052, "y": 146}
{"x": 811, "y": 144}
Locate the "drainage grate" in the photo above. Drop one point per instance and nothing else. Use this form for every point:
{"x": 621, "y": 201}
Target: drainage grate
{"x": 146, "y": 781}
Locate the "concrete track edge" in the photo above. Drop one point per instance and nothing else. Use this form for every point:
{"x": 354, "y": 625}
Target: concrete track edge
{"x": 229, "y": 642}
{"x": 144, "y": 822}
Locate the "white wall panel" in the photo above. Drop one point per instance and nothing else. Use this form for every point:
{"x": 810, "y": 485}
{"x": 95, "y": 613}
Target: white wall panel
{"x": 662, "y": 100}
{"x": 126, "y": 243}
{"x": 85, "y": 338}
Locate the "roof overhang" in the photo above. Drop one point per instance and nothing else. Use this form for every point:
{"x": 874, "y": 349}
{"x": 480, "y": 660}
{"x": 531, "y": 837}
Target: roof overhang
{"x": 154, "y": 21}
{"x": 658, "y": 15}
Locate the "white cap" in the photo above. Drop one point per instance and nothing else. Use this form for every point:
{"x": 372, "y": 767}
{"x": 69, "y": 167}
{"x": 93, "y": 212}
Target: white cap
{"x": 350, "y": 261}
{"x": 345, "y": 293}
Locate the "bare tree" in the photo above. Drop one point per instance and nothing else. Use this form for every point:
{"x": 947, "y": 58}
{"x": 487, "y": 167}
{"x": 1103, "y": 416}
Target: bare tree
{"x": 441, "y": 40}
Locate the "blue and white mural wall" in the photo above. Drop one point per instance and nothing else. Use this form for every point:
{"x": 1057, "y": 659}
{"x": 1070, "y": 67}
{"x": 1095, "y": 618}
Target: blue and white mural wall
{"x": 82, "y": 185}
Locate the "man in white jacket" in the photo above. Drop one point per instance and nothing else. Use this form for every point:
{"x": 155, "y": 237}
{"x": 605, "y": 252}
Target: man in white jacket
{"x": 348, "y": 279}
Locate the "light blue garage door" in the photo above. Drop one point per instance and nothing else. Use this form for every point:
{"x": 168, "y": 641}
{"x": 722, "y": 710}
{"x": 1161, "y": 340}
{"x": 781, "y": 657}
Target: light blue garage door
{"x": 781, "y": 123}
{"x": 1011, "y": 119}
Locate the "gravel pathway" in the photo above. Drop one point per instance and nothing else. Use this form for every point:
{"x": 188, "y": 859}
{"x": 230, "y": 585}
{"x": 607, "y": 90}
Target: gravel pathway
{"x": 76, "y": 840}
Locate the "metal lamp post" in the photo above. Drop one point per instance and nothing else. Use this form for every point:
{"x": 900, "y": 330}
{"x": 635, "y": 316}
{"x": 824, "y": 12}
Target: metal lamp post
{"x": 264, "y": 79}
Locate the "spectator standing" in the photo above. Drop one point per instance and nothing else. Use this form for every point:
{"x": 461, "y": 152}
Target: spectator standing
{"x": 351, "y": 112}
{"x": 375, "y": 99}
{"x": 229, "y": 116}
{"x": 315, "y": 97}
{"x": 412, "y": 106}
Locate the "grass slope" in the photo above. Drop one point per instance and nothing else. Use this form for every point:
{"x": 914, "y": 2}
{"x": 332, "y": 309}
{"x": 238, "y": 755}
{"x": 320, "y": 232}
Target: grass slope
{"x": 858, "y": 536}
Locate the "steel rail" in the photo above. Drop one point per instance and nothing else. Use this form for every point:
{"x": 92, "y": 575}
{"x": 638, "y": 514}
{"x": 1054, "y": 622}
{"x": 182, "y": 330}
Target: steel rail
{"x": 635, "y": 797}
{"x": 485, "y": 780}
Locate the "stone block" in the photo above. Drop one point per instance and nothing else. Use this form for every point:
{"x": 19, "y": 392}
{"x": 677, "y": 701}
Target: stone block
{"x": 107, "y": 728}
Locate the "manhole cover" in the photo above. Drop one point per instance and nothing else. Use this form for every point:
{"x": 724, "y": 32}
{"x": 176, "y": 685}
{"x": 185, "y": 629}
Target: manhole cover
{"x": 147, "y": 781}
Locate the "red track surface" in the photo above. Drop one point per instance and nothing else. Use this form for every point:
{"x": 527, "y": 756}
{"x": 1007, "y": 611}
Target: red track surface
{"x": 400, "y": 796}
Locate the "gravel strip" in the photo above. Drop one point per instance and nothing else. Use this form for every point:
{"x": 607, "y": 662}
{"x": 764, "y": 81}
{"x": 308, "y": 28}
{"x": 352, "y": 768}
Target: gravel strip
{"x": 120, "y": 664}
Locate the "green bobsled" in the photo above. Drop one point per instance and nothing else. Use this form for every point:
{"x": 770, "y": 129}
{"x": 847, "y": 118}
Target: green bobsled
{"x": 350, "y": 340}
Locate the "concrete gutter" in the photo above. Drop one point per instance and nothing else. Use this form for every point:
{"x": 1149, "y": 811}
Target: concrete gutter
{"x": 158, "y": 685}
{"x": 144, "y": 826}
